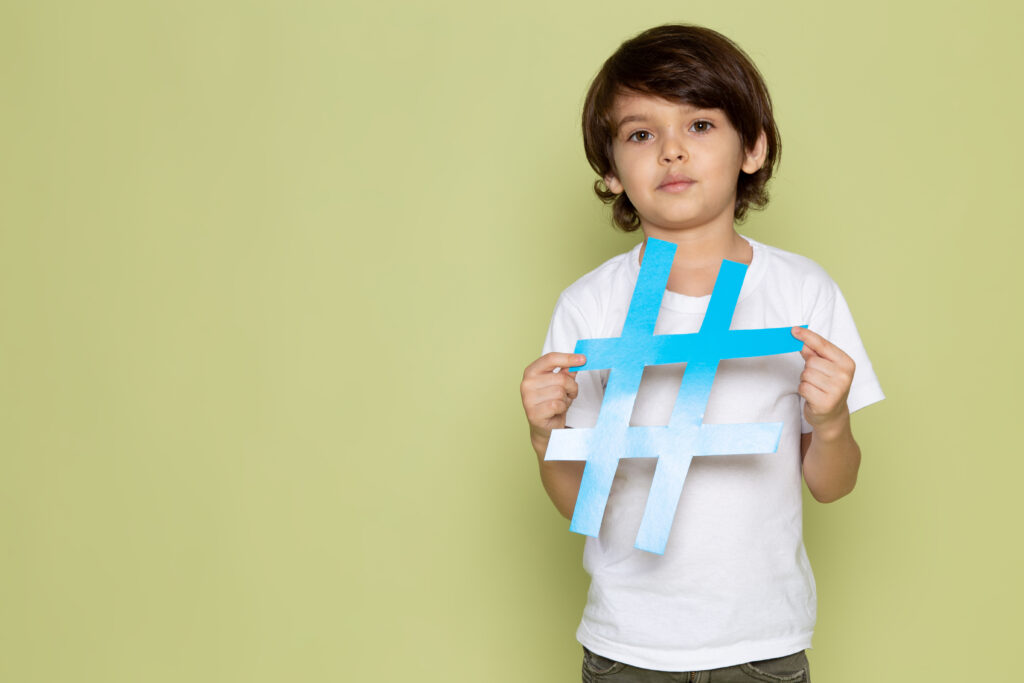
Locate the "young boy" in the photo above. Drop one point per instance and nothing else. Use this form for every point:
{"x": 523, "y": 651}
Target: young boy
{"x": 678, "y": 125}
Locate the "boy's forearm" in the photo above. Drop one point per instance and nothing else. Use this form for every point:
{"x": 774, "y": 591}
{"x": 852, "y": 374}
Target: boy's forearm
{"x": 561, "y": 478}
{"x": 832, "y": 460}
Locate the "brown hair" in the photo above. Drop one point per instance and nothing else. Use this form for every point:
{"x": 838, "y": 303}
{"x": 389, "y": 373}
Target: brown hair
{"x": 690, "y": 65}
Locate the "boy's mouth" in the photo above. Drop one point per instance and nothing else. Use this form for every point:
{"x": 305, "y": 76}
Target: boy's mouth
{"x": 676, "y": 183}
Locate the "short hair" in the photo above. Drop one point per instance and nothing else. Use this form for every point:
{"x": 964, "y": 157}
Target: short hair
{"x": 691, "y": 65}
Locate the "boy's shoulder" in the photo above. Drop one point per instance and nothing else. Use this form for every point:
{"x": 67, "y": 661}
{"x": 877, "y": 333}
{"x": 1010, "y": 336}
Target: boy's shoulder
{"x": 788, "y": 262}
{"x": 619, "y": 271}
{"x": 790, "y": 271}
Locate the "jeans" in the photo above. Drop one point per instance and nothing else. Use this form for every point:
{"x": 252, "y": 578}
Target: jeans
{"x": 789, "y": 669}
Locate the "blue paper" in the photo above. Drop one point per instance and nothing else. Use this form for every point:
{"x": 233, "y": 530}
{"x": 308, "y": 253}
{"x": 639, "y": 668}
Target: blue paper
{"x": 685, "y": 437}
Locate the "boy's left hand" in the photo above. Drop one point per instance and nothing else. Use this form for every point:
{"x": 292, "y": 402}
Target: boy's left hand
{"x": 825, "y": 381}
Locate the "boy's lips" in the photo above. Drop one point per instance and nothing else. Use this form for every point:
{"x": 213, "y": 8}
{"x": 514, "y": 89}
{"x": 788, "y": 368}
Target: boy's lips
{"x": 676, "y": 183}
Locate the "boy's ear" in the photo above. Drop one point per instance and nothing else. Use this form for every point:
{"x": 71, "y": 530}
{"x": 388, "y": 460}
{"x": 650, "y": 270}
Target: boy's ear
{"x": 754, "y": 157}
{"x": 613, "y": 184}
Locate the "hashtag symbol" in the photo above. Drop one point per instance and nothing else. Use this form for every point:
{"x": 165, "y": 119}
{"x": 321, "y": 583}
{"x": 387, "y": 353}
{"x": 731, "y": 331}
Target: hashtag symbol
{"x": 685, "y": 436}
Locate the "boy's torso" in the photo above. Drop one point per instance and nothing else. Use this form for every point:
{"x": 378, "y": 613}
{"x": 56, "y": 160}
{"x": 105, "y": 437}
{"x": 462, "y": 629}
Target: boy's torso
{"x": 734, "y": 583}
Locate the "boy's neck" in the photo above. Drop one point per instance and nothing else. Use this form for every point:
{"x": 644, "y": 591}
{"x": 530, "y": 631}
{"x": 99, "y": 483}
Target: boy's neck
{"x": 699, "y": 255}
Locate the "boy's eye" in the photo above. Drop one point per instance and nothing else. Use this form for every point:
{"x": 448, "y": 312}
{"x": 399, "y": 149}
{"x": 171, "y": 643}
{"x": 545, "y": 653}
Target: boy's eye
{"x": 640, "y": 136}
{"x": 701, "y": 126}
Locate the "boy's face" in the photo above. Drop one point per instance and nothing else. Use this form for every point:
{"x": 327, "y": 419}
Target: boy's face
{"x": 678, "y": 164}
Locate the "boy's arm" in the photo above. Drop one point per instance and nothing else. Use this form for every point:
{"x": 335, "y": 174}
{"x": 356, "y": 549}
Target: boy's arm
{"x": 831, "y": 456}
{"x": 547, "y": 395}
{"x": 561, "y": 478}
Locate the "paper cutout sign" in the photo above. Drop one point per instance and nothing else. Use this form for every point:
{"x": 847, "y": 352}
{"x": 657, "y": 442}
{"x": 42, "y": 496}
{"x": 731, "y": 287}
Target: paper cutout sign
{"x": 685, "y": 436}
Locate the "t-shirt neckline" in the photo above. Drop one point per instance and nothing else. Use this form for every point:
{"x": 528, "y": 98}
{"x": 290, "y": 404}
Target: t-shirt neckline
{"x": 684, "y": 303}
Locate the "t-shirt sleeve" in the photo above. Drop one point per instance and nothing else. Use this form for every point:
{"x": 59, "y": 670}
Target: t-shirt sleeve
{"x": 833, "y": 320}
{"x": 568, "y": 325}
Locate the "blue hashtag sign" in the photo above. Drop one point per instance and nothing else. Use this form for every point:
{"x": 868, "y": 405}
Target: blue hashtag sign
{"x": 685, "y": 436}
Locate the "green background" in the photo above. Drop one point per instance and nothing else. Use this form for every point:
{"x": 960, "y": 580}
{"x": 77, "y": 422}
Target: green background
{"x": 270, "y": 273}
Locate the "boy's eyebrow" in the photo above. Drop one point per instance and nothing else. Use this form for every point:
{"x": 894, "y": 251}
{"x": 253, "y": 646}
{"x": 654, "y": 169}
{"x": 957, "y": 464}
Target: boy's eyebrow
{"x": 632, "y": 118}
{"x": 629, "y": 119}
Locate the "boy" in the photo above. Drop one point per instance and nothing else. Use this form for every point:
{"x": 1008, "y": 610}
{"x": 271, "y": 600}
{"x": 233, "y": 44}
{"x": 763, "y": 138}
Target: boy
{"x": 678, "y": 125}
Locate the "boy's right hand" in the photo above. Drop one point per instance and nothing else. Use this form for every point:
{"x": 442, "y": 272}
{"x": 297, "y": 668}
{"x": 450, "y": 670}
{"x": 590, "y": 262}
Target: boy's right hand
{"x": 547, "y": 394}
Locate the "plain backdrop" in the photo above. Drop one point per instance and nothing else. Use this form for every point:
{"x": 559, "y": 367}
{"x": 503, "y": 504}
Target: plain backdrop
{"x": 270, "y": 272}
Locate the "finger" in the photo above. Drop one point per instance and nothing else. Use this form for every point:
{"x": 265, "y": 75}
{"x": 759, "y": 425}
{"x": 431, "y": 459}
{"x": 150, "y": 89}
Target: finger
{"x": 572, "y": 389}
{"x": 839, "y": 372}
{"x": 806, "y": 352}
{"x": 536, "y": 390}
{"x": 537, "y": 384}
{"x": 822, "y": 365}
{"x": 818, "y": 380}
{"x": 562, "y": 379}
{"x": 543, "y": 411}
{"x": 812, "y": 394}
{"x": 550, "y": 393}
{"x": 821, "y": 346}
{"x": 549, "y": 361}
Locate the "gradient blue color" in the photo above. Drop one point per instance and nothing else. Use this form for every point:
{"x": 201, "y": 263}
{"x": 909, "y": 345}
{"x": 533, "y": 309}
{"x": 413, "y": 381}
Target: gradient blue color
{"x": 677, "y": 443}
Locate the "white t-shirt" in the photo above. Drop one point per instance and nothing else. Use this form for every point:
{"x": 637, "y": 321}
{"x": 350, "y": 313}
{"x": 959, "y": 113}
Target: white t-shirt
{"x": 734, "y": 584}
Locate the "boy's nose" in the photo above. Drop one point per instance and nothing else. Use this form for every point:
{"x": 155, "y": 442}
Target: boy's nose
{"x": 673, "y": 151}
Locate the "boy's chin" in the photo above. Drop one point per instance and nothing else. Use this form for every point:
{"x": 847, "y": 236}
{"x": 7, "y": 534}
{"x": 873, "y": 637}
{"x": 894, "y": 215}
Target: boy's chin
{"x": 668, "y": 228}
{"x": 683, "y": 222}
